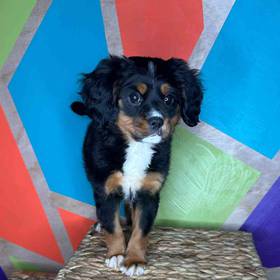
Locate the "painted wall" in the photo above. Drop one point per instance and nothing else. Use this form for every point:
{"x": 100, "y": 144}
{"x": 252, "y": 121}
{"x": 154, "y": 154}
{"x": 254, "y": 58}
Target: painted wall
{"x": 224, "y": 173}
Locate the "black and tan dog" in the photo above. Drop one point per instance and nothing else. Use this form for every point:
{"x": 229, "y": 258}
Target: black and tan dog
{"x": 135, "y": 104}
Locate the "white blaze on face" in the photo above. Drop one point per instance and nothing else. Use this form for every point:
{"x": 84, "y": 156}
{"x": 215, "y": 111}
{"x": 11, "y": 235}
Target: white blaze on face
{"x": 155, "y": 113}
{"x": 153, "y": 139}
{"x": 137, "y": 160}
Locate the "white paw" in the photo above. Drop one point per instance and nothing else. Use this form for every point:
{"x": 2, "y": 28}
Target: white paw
{"x": 114, "y": 262}
{"x": 134, "y": 270}
{"x": 97, "y": 227}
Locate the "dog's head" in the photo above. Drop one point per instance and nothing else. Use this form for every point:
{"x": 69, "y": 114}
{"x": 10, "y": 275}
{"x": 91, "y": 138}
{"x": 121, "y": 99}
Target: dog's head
{"x": 144, "y": 97}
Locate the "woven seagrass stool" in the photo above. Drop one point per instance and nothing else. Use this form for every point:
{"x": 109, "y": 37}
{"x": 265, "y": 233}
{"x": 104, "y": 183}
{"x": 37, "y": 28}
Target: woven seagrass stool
{"x": 28, "y": 275}
{"x": 174, "y": 254}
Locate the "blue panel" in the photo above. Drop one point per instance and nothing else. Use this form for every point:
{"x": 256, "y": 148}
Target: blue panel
{"x": 70, "y": 41}
{"x": 241, "y": 76}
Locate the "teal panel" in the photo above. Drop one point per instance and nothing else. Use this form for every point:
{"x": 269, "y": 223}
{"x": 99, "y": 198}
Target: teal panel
{"x": 241, "y": 76}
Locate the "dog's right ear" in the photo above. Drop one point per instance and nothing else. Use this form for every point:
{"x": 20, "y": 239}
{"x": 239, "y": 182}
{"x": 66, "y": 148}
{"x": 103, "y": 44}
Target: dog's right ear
{"x": 99, "y": 90}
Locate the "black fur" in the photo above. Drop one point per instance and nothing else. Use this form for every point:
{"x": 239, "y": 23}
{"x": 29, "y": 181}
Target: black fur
{"x": 79, "y": 108}
{"x": 98, "y": 90}
{"x": 191, "y": 89}
{"x": 100, "y": 87}
{"x": 104, "y": 152}
{"x": 149, "y": 206}
{"x": 105, "y": 145}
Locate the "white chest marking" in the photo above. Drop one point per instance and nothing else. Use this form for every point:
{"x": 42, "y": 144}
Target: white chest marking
{"x": 138, "y": 158}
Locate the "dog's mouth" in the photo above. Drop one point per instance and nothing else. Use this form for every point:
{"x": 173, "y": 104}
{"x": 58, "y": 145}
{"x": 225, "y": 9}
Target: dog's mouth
{"x": 153, "y": 138}
{"x": 157, "y": 133}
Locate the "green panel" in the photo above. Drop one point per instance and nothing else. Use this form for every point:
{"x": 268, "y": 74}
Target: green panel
{"x": 13, "y": 15}
{"x": 24, "y": 266}
{"x": 204, "y": 185}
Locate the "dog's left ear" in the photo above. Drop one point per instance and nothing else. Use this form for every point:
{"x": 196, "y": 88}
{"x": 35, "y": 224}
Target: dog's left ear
{"x": 188, "y": 82}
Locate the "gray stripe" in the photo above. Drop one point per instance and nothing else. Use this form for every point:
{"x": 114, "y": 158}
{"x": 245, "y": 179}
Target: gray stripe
{"x": 4, "y": 257}
{"x": 9, "y": 249}
{"x": 19, "y": 132}
{"x": 273, "y": 273}
{"x": 24, "y": 40}
{"x": 72, "y": 205}
{"x": 250, "y": 201}
{"x": 277, "y": 157}
{"x": 231, "y": 146}
{"x": 215, "y": 13}
{"x": 111, "y": 24}
{"x": 36, "y": 173}
{"x": 270, "y": 170}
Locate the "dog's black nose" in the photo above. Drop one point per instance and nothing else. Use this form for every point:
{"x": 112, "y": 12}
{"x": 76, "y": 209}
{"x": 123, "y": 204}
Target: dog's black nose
{"x": 155, "y": 122}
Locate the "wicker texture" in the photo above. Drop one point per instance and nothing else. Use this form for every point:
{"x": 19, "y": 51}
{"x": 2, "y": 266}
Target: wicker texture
{"x": 32, "y": 276}
{"x": 175, "y": 254}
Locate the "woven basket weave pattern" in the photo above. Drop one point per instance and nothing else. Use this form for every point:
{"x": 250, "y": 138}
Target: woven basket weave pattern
{"x": 175, "y": 254}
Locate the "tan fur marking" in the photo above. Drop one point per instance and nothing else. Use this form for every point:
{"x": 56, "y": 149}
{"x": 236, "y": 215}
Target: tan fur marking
{"x": 115, "y": 242}
{"x": 169, "y": 124}
{"x": 139, "y": 127}
{"x": 166, "y": 129}
{"x": 137, "y": 245}
{"x": 132, "y": 127}
{"x": 142, "y": 88}
{"x": 142, "y": 126}
{"x": 174, "y": 120}
{"x": 164, "y": 88}
{"x": 152, "y": 182}
{"x": 113, "y": 182}
{"x": 125, "y": 123}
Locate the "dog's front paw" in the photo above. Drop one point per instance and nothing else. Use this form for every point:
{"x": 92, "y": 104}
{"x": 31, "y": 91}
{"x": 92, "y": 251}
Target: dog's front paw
{"x": 133, "y": 270}
{"x": 133, "y": 265}
{"x": 97, "y": 227}
{"x": 115, "y": 262}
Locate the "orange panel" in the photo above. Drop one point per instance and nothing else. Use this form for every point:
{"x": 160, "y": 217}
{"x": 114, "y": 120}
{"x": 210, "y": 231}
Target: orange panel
{"x": 163, "y": 28}
{"x": 76, "y": 226}
{"x": 22, "y": 217}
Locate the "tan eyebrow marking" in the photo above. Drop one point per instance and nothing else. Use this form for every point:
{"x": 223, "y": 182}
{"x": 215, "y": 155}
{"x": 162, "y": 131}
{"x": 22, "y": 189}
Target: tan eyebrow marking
{"x": 164, "y": 88}
{"x": 142, "y": 88}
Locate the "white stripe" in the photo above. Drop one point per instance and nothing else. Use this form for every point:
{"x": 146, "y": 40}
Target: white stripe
{"x": 155, "y": 113}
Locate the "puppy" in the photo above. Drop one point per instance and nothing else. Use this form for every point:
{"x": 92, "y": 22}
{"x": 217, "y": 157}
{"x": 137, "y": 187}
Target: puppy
{"x": 135, "y": 104}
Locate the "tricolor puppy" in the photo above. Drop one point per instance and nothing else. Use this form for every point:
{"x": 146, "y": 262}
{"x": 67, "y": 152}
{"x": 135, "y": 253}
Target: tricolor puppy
{"x": 135, "y": 104}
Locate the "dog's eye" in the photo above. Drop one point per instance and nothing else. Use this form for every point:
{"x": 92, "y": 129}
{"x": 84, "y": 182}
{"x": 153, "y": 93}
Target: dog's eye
{"x": 135, "y": 98}
{"x": 169, "y": 100}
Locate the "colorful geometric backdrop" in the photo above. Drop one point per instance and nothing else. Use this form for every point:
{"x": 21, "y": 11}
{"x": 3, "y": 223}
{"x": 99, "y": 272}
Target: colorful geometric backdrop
{"x": 224, "y": 172}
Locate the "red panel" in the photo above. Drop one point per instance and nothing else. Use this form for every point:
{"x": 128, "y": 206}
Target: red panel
{"x": 22, "y": 217}
{"x": 76, "y": 226}
{"x": 163, "y": 28}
